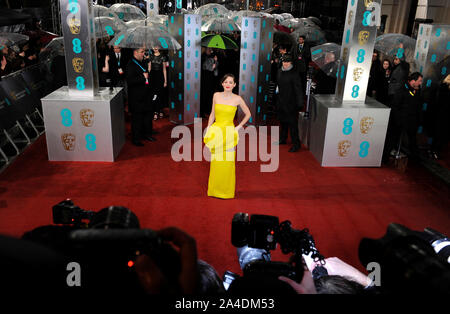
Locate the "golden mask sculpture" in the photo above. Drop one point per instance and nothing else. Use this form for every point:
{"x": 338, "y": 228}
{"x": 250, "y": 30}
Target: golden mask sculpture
{"x": 350, "y": 18}
{"x": 357, "y": 73}
{"x": 363, "y": 37}
{"x": 74, "y": 25}
{"x": 345, "y": 54}
{"x": 87, "y": 117}
{"x": 68, "y": 141}
{"x": 78, "y": 64}
{"x": 344, "y": 148}
{"x": 366, "y": 124}
{"x": 367, "y": 2}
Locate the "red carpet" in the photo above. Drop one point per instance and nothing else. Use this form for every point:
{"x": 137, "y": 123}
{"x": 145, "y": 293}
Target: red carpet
{"x": 338, "y": 205}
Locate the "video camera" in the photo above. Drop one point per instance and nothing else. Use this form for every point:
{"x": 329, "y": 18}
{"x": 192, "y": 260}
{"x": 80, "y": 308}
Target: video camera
{"x": 106, "y": 244}
{"x": 257, "y": 235}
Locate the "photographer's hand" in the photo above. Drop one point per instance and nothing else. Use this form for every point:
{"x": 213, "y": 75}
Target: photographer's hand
{"x": 305, "y": 287}
{"x": 151, "y": 277}
{"x": 188, "y": 279}
{"x": 335, "y": 266}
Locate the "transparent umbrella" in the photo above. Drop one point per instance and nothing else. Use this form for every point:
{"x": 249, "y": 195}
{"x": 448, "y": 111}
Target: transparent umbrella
{"x": 159, "y": 19}
{"x": 100, "y": 10}
{"x": 312, "y": 34}
{"x": 278, "y": 17}
{"x": 298, "y": 23}
{"x": 54, "y": 48}
{"x": 108, "y": 26}
{"x": 127, "y": 12}
{"x": 396, "y": 45}
{"x": 145, "y": 36}
{"x": 11, "y": 39}
{"x": 212, "y": 9}
{"x": 237, "y": 16}
{"x": 287, "y": 16}
{"x": 221, "y": 25}
{"x": 315, "y": 20}
{"x": 319, "y": 52}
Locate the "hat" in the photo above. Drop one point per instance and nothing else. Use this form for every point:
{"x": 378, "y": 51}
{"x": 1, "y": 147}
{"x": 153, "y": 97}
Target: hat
{"x": 286, "y": 58}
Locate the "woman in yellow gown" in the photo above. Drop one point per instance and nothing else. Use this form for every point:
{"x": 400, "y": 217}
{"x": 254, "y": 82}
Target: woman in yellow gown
{"x": 222, "y": 137}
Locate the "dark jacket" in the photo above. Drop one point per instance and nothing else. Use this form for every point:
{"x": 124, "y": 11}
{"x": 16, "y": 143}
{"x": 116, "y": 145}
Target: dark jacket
{"x": 398, "y": 78}
{"x": 115, "y": 64}
{"x": 406, "y": 107}
{"x": 138, "y": 91}
{"x": 290, "y": 94}
{"x": 302, "y": 56}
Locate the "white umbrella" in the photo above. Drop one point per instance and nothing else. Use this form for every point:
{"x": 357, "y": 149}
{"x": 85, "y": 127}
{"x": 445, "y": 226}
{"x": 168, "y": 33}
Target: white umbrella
{"x": 107, "y": 26}
{"x": 221, "y": 25}
{"x": 127, "y": 12}
{"x": 145, "y": 36}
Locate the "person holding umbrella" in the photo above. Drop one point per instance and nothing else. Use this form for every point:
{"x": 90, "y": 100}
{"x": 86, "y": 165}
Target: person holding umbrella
{"x": 138, "y": 94}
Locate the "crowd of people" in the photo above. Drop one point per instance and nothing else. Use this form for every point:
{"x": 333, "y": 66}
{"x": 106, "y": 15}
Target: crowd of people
{"x": 389, "y": 79}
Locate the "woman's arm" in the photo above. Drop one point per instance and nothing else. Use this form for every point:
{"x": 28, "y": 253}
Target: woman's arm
{"x": 212, "y": 116}
{"x": 246, "y": 112}
{"x": 106, "y": 67}
{"x": 149, "y": 66}
{"x": 164, "y": 73}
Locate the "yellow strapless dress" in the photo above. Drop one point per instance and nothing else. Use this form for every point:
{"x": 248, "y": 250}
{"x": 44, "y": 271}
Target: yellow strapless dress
{"x": 221, "y": 139}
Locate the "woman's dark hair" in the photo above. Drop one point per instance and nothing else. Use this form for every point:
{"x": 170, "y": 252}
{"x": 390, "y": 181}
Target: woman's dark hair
{"x": 388, "y": 61}
{"x": 227, "y": 76}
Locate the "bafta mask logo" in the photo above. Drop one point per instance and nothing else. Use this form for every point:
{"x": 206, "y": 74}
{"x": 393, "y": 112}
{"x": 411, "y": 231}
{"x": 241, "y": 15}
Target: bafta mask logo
{"x": 74, "y": 25}
{"x": 255, "y": 23}
{"x": 68, "y": 141}
{"x": 253, "y": 46}
{"x": 87, "y": 117}
{"x": 188, "y": 76}
{"x": 188, "y": 54}
{"x": 363, "y": 37}
{"x": 243, "y": 76}
{"x": 428, "y": 31}
{"x": 345, "y": 54}
{"x": 366, "y": 124}
{"x": 252, "y": 68}
{"x": 344, "y": 148}
{"x": 245, "y": 34}
{"x": 357, "y": 73}
{"x": 78, "y": 64}
{"x": 244, "y": 56}
{"x": 367, "y": 2}
{"x": 197, "y": 20}
{"x": 350, "y": 18}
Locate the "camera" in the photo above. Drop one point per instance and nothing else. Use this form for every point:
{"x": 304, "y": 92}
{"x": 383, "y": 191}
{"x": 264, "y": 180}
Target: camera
{"x": 256, "y": 235}
{"x": 410, "y": 261}
{"x": 66, "y": 213}
{"x": 106, "y": 244}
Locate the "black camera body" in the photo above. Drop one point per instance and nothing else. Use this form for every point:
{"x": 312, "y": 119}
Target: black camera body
{"x": 257, "y": 232}
{"x": 257, "y": 235}
{"x": 106, "y": 242}
{"x": 66, "y": 213}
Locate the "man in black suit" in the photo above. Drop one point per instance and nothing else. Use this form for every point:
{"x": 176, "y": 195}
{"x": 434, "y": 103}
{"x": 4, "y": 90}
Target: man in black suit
{"x": 138, "y": 99}
{"x": 118, "y": 61}
{"x": 302, "y": 55}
